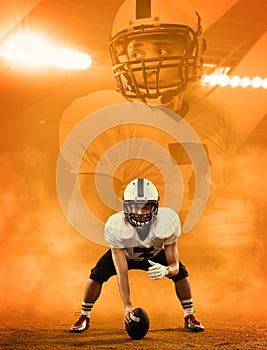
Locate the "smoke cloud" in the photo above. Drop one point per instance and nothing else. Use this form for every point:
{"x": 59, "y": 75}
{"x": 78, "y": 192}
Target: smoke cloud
{"x": 45, "y": 263}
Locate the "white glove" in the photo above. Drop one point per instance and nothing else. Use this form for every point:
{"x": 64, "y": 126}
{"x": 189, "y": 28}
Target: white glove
{"x": 157, "y": 271}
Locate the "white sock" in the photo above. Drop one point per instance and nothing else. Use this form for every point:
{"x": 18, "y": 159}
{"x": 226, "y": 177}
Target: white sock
{"x": 86, "y": 308}
{"x": 187, "y": 305}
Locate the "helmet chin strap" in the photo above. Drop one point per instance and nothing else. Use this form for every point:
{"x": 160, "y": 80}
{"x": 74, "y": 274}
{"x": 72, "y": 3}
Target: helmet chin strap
{"x": 169, "y": 95}
{"x": 170, "y": 99}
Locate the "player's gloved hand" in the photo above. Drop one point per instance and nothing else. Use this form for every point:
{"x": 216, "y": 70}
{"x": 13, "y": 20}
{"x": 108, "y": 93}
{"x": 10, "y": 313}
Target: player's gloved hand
{"x": 157, "y": 271}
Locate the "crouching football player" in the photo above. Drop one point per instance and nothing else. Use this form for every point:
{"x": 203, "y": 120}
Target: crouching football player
{"x": 142, "y": 237}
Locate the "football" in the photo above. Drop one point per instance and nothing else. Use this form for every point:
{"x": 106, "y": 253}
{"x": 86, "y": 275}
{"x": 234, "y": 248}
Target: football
{"x": 139, "y": 325}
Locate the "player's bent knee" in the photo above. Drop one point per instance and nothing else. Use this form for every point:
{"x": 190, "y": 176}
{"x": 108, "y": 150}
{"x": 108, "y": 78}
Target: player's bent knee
{"x": 183, "y": 273}
{"x": 99, "y": 276}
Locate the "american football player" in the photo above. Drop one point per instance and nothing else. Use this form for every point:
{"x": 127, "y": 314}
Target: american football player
{"x": 142, "y": 236}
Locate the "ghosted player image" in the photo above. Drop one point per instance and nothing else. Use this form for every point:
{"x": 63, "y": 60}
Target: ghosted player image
{"x": 142, "y": 236}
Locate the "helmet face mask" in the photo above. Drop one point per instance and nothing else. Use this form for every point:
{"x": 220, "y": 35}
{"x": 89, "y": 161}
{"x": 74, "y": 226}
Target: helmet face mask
{"x": 140, "y": 213}
{"x": 164, "y": 74}
{"x": 140, "y": 202}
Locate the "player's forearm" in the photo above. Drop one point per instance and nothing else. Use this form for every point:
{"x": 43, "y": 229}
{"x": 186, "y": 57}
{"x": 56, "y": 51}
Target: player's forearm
{"x": 172, "y": 257}
{"x": 121, "y": 267}
{"x": 124, "y": 290}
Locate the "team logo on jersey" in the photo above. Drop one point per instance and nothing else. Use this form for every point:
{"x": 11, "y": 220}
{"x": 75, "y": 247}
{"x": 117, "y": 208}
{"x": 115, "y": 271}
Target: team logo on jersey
{"x": 117, "y": 144}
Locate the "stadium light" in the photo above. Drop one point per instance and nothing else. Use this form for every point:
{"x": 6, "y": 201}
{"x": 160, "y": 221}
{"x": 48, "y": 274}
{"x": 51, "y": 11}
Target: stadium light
{"x": 264, "y": 83}
{"x": 32, "y": 50}
{"x": 221, "y": 78}
{"x": 256, "y": 82}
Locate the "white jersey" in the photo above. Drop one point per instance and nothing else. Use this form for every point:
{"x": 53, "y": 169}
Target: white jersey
{"x": 164, "y": 230}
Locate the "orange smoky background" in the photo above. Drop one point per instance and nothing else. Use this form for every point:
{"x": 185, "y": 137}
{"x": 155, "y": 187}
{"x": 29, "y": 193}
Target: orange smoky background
{"x": 45, "y": 263}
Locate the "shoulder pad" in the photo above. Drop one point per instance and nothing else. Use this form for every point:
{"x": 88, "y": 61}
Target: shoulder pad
{"x": 84, "y": 106}
{"x": 117, "y": 228}
{"x": 167, "y": 223}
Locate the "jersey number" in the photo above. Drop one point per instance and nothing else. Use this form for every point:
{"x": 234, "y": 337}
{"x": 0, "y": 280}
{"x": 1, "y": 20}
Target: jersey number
{"x": 145, "y": 253}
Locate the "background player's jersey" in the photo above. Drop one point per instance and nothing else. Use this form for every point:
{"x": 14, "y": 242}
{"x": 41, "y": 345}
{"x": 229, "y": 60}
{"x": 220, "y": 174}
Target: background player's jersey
{"x": 164, "y": 230}
{"x": 137, "y": 141}
{"x": 209, "y": 125}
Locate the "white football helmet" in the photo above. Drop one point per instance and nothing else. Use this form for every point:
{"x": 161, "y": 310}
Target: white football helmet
{"x": 140, "y": 200}
{"x": 146, "y": 19}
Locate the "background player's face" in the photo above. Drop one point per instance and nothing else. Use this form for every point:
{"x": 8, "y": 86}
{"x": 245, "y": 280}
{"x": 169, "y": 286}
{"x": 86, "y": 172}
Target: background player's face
{"x": 155, "y": 47}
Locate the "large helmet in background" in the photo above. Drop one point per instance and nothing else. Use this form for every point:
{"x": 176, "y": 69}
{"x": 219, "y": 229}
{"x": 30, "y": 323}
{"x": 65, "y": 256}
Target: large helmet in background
{"x": 147, "y": 18}
{"x": 140, "y": 193}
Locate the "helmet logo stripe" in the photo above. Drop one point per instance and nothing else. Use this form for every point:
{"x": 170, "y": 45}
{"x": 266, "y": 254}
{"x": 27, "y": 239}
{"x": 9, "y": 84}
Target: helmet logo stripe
{"x": 143, "y": 9}
{"x": 140, "y": 189}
